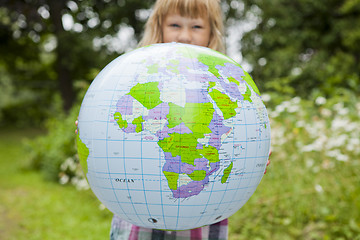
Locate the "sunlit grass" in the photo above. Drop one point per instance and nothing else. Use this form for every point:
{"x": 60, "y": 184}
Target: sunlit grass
{"x": 31, "y": 208}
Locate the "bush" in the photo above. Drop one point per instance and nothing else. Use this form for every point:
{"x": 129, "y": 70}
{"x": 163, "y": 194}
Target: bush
{"x": 311, "y": 190}
{"x": 55, "y": 154}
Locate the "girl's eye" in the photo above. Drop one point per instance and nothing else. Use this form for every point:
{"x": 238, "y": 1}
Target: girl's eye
{"x": 175, "y": 25}
{"x": 197, "y": 26}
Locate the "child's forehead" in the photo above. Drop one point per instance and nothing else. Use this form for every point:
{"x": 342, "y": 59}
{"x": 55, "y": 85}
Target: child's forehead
{"x": 186, "y": 14}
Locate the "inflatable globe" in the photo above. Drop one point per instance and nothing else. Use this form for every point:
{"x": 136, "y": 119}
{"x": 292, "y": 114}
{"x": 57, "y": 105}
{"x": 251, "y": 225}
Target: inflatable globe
{"x": 173, "y": 136}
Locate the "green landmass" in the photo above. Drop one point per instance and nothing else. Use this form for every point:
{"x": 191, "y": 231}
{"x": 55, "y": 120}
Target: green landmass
{"x": 227, "y": 172}
{"x": 211, "y": 85}
{"x": 175, "y": 115}
{"x": 210, "y": 153}
{"x": 118, "y": 118}
{"x": 174, "y": 62}
{"x": 231, "y": 79}
{"x": 148, "y": 94}
{"x": 138, "y": 122}
{"x": 172, "y": 179}
{"x": 83, "y": 152}
{"x": 173, "y": 66}
{"x": 196, "y": 116}
{"x": 153, "y": 68}
{"x": 183, "y": 145}
{"x": 247, "y": 78}
{"x": 212, "y": 61}
{"x": 217, "y": 59}
{"x": 247, "y": 94}
{"x": 197, "y": 175}
{"x": 224, "y": 102}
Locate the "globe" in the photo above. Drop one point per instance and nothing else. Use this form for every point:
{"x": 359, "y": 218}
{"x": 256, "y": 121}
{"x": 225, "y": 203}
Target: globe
{"x": 173, "y": 136}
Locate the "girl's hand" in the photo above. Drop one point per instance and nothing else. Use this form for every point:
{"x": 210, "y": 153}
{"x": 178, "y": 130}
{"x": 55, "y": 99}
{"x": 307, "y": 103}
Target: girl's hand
{"x": 268, "y": 162}
{"x": 76, "y": 124}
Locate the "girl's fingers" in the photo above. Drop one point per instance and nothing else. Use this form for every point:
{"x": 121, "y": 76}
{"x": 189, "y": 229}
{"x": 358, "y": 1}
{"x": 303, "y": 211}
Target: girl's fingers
{"x": 76, "y": 123}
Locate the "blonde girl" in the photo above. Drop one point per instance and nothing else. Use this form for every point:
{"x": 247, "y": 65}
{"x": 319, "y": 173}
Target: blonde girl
{"x": 207, "y": 12}
{"x": 197, "y": 22}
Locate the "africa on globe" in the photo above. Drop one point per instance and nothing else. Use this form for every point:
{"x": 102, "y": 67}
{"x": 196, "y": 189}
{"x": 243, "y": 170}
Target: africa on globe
{"x": 173, "y": 136}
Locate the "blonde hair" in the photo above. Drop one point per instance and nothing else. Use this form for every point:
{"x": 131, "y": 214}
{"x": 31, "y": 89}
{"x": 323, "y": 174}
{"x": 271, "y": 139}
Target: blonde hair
{"x": 208, "y": 9}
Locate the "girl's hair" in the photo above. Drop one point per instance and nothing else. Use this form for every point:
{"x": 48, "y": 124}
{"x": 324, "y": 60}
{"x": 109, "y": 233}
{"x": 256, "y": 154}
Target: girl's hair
{"x": 208, "y": 9}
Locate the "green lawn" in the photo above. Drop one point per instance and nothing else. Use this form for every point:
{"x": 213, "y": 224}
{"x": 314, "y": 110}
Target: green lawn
{"x": 31, "y": 208}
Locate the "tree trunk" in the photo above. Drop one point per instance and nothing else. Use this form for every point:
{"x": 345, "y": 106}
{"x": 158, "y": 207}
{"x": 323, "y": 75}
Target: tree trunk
{"x": 62, "y": 64}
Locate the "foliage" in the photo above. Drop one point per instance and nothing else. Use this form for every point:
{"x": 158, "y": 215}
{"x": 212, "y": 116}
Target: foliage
{"x": 52, "y": 153}
{"x": 311, "y": 190}
{"x": 303, "y": 47}
{"x": 47, "y": 46}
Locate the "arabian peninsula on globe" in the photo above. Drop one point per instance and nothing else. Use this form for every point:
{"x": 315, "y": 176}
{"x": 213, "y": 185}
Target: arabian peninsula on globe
{"x": 173, "y": 136}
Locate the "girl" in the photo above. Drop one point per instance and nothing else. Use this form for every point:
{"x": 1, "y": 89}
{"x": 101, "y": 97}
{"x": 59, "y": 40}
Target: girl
{"x": 197, "y": 22}
{"x": 202, "y": 19}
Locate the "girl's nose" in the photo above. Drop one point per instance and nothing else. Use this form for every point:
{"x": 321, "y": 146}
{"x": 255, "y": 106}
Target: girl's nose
{"x": 184, "y": 36}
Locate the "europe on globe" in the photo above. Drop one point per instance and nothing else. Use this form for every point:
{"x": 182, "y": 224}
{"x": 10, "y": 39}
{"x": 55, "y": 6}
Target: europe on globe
{"x": 173, "y": 136}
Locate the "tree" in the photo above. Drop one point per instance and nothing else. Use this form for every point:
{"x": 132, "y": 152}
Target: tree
{"x": 52, "y": 43}
{"x": 304, "y": 47}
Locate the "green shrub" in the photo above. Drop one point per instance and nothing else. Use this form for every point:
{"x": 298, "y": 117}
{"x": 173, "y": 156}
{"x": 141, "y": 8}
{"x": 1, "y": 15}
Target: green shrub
{"x": 55, "y": 153}
{"x": 311, "y": 190}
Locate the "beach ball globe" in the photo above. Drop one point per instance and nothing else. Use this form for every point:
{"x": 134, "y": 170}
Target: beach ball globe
{"x": 173, "y": 136}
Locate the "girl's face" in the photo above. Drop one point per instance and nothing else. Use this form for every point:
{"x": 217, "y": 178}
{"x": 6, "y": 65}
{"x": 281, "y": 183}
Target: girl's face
{"x": 181, "y": 29}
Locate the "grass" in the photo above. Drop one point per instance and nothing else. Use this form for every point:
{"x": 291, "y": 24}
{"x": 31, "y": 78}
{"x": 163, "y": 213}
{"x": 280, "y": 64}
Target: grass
{"x": 32, "y": 208}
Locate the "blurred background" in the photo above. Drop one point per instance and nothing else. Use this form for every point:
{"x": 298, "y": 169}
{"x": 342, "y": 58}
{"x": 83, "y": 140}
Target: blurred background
{"x": 304, "y": 56}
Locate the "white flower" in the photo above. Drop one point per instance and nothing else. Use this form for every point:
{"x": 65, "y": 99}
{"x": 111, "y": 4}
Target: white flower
{"x": 337, "y": 141}
{"x": 80, "y": 183}
{"x": 337, "y": 155}
{"x": 293, "y": 108}
{"x": 320, "y": 100}
{"x": 64, "y": 179}
{"x": 68, "y": 164}
{"x": 280, "y": 108}
{"x": 102, "y": 207}
{"x": 317, "y": 145}
{"x": 338, "y": 106}
{"x": 343, "y": 111}
{"x": 265, "y": 97}
{"x": 339, "y": 123}
{"x": 351, "y": 127}
{"x": 353, "y": 144}
{"x": 318, "y": 188}
{"x": 300, "y": 123}
{"x": 296, "y": 100}
{"x": 309, "y": 163}
{"x": 325, "y": 112}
